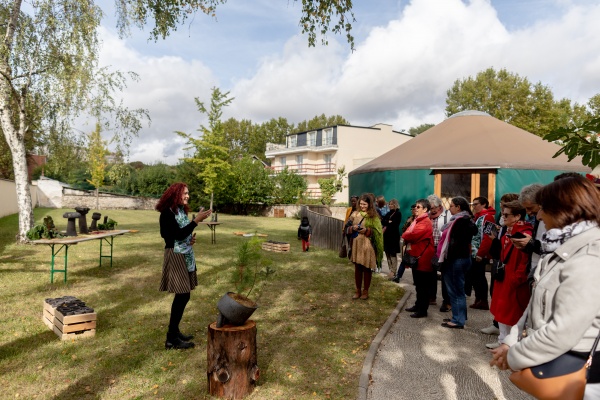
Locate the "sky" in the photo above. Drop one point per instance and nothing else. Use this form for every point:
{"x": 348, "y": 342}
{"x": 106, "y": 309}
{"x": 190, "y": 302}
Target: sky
{"x": 407, "y": 55}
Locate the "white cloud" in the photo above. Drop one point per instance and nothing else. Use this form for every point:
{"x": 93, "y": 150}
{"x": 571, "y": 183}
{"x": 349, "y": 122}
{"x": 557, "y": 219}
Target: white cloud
{"x": 399, "y": 73}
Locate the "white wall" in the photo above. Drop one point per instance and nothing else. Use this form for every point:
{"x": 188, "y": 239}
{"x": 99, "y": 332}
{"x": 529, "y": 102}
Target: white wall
{"x": 357, "y": 146}
{"x": 8, "y": 197}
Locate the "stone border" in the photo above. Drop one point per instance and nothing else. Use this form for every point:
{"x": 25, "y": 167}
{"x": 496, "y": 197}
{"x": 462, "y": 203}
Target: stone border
{"x": 364, "y": 380}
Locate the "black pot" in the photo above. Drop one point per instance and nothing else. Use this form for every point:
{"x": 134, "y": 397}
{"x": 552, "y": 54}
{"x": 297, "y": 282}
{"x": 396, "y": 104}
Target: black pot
{"x": 231, "y": 312}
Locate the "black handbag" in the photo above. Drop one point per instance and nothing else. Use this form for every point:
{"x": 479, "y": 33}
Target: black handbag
{"x": 411, "y": 261}
{"x": 343, "y": 253}
{"x": 499, "y": 269}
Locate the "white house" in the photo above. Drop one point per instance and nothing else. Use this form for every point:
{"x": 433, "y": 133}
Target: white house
{"x": 319, "y": 153}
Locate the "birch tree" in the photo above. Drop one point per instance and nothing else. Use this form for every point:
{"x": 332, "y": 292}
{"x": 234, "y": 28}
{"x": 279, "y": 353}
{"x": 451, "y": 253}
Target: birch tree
{"x": 49, "y": 58}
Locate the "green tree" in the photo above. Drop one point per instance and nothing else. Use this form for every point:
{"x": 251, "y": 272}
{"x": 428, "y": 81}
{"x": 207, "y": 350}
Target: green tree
{"x": 249, "y": 183}
{"x": 211, "y": 156}
{"x": 48, "y": 57}
{"x": 50, "y": 52}
{"x": 244, "y": 137}
{"x": 415, "y": 130}
{"x": 316, "y": 18}
{"x": 320, "y": 121}
{"x": 289, "y": 187}
{"x": 330, "y": 186}
{"x": 97, "y": 160}
{"x": 510, "y": 98}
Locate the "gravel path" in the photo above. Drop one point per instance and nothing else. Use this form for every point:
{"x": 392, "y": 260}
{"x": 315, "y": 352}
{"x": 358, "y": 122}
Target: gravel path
{"x": 419, "y": 359}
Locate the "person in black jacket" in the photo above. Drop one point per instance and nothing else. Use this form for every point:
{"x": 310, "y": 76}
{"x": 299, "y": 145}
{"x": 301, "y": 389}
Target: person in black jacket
{"x": 454, "y": 251}
{"x": 304, "y": 233}
{"x": 179, "y": 264}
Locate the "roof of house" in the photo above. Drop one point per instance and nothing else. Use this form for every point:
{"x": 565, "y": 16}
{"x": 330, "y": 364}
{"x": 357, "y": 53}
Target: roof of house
{"x": 473, "y": 139}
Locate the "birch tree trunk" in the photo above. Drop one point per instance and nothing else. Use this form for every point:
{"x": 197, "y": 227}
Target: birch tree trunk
{"x": 15, "y": 132}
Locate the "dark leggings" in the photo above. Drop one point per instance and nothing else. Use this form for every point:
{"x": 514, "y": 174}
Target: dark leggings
{"x": 177, "y": 308}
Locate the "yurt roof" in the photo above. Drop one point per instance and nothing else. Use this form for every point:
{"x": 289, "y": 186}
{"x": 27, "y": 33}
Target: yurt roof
{"x": 473, "y": 139}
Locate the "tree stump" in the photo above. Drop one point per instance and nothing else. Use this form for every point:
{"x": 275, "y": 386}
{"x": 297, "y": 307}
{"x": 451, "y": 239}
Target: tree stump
{"x": 232, "y": 368}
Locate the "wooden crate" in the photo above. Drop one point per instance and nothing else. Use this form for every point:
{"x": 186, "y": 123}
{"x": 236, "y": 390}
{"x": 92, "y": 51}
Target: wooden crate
{"x": 276, "y": 247}
{"x": 69, "y": 327}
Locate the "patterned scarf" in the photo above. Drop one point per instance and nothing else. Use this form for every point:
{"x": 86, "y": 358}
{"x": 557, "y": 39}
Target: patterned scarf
{"x": 442, "y": 250}
{"x": 183, "y": 246}
{"x": 554, "y": 238}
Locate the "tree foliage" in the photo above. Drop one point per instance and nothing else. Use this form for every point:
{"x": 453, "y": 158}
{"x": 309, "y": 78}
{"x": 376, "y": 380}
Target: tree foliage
{"x": 49, "y": 76}
{"x": 211, "y": 156}
{"x": 513, "y": 99}
{"x": 97, "y": 158}
{"x": 249, "y": 183}
{"x": 415, "y": 130}
{"x": 320, "y": 121}
{"x": 289, "y": 187}
{"x": 581, "y": 138}
{"x": 330, "y": 186}
{"x": 167, "y": 15}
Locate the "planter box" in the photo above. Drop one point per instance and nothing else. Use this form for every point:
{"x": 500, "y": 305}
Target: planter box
{"x": 278, "y": 247}
{"x": 69, "y": 327}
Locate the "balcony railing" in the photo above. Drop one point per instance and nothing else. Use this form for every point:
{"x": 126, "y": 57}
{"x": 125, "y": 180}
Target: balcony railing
{"x": 307, "y": 169}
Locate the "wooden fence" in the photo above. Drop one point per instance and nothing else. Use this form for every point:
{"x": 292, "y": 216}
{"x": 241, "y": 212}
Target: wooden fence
{"x": 327, "y": 231}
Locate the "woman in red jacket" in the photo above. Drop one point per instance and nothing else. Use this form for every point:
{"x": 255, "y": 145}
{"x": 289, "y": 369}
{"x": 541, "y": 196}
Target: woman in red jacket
{"x": 419, "y": 239}
{"x": 511, "y": 294}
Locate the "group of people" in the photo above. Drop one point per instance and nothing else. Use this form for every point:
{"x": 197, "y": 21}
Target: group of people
{"x": 544, "y": 252}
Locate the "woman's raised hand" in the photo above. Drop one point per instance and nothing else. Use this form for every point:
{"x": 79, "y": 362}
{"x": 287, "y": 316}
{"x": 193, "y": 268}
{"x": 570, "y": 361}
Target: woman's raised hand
{"x": 202, "y": 215}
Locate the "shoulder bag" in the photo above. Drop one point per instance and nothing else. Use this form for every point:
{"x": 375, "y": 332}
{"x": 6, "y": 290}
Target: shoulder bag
{"x": 499, "y": 270}
{"x": 411, "y": 261}
{"x": 564, "y": 377}
{"x": 343, "y": 253}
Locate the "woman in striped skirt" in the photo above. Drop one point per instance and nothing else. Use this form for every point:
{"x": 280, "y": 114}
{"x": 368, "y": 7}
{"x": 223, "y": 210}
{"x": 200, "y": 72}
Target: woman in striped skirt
{"x": 179, "y": 265}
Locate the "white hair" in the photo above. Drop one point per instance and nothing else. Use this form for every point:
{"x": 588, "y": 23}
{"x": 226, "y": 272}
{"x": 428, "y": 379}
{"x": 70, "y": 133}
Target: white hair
{"x": 434, "y": 200}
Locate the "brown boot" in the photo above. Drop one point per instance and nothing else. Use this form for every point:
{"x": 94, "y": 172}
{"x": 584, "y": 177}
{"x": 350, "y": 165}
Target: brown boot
{"x": 358, "y": 278}
{"x": 368, "y": 275}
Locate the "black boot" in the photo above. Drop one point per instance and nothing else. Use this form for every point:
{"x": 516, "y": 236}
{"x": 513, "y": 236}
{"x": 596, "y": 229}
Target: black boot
{"x": 185, "y": 338}
{"x": 174, "y": 342}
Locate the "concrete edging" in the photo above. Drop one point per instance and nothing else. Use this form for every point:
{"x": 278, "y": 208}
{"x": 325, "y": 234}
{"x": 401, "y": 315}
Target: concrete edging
{"x": 363, "y": 382}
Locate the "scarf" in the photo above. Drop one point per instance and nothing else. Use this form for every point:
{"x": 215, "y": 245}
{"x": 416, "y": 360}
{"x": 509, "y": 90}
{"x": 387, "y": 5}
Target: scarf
{"x": 183, "y": 246}
{"x": 555, "y": 237}
{"x": 442, "y": 250}
{"x": 376, "y": 234}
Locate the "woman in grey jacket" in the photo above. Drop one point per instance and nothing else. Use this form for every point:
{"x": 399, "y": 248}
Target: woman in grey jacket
{"x": 563, "y": 314}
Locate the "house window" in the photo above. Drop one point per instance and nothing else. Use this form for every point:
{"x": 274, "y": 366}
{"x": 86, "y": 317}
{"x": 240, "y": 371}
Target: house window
{"x": 327, "y": 136}
{"x": 299, "y": 160}
{"x": 292, "y": 141}
{"x": 282, "y": 161}
{"x": 311, "y": 139}
{"x": 328, "y": 158}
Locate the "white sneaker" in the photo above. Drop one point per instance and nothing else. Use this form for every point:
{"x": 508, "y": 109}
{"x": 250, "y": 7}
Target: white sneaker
{"x": 493, "y": 345}
{"x": 490, "y": 330}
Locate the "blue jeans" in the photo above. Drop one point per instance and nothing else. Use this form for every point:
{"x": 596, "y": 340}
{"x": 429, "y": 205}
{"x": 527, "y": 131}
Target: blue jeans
{"x": 454, "y": 279}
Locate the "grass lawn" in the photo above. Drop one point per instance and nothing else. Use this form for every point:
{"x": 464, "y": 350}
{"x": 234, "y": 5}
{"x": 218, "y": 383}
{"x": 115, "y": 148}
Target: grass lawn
{"x": 312, "y": 337}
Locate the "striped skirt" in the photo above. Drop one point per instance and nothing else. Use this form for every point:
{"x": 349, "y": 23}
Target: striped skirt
{"x": 175, "y": 276}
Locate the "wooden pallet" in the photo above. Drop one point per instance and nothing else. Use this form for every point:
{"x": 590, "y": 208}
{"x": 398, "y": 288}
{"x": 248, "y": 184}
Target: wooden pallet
{"x": 276, "y": 247}
{"x": 69, "y": 327}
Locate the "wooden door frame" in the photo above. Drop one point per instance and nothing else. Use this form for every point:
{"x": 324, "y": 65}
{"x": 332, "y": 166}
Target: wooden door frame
{"x": 475, "y": 181}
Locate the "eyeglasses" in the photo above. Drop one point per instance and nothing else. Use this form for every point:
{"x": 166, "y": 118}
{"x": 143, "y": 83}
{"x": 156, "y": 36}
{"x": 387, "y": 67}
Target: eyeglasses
{"x": 506, "y": 215}
{"x": 475, "y": 204}
{"x": 418, "y": 206}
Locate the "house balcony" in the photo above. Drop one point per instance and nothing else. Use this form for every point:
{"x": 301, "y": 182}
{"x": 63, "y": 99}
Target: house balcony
{"x": 318, "y": 169}
{"x": 274, "y": 150}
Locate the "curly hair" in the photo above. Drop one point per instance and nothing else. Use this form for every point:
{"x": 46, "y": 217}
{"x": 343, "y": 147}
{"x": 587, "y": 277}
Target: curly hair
{"x": 171, "y": 198}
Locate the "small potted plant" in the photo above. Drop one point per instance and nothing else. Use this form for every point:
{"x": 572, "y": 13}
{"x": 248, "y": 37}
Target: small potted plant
{"x": 236, "y": 308}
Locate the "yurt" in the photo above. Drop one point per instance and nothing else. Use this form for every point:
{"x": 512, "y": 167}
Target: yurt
{"x": 469, "y": 154}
